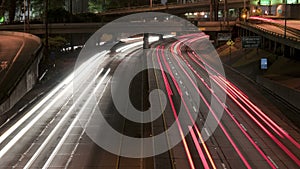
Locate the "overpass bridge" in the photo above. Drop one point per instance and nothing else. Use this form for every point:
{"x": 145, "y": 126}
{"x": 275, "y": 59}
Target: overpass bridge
{"x": 273, "y": 37}
{"x": 20, "y": 54}
{"x": 90, "y": 28}
{"x": 175, "y": 8}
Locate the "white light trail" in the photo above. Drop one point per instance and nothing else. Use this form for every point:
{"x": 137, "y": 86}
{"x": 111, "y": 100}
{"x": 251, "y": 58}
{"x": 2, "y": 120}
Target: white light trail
{"x": 61, "y": 122}
{"x": 57, "y": 148}
{"x": 67, "y": 82}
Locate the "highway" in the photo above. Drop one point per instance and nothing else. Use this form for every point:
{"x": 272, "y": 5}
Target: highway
{"x": 242, "y": 131}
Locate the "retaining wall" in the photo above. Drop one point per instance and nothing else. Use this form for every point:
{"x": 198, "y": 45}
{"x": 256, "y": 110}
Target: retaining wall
{"x": 290, "y": 95}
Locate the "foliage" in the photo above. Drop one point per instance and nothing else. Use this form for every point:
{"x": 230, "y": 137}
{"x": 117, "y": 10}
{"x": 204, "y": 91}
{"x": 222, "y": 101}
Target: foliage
{"x": 96, "y": 6}
{"x": 56, "y": 42}
{"x": 58, "y": 15}
{"x": 86, "y": 17}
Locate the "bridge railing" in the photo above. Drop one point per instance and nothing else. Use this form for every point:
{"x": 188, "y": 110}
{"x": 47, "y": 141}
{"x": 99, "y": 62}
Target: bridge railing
{"x": 280, "y": 35}
{"x": 167, "y": 6}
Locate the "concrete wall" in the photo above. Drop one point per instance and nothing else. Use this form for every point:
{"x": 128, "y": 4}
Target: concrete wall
{"x": 26, "y": 81}
{"x": 290, "y": 95}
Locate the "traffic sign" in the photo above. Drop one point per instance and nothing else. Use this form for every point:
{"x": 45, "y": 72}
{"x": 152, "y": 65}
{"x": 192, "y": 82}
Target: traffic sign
{"x": 251, "y": 41}
{"x": 230, "y": 42}
{"x": 224, "y": 36}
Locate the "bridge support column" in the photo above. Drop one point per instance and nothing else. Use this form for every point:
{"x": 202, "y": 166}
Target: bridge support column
{"x": 297, "y": 54}
{"x": 287, "y": 51}
{"x": 292, "y": 52}
{"x": 146, "y": 41}
{"x": 282, "y": 49}
{"x": 263, "y": 43}
{"x": 270, "y": 45}
{"x": 275, "y": 47}
{"x": 161, "y": 37}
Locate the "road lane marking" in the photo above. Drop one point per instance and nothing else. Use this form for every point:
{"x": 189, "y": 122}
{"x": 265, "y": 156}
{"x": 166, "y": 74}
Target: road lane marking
{"x": 206, "y": 131}
{"x": 243, "y": 126}
{"x": 272, "y": 161}
{"x": 194, "y": 108}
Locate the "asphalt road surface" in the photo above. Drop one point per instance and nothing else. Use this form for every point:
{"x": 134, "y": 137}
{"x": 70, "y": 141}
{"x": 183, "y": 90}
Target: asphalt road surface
{"x": 250, "y": 133}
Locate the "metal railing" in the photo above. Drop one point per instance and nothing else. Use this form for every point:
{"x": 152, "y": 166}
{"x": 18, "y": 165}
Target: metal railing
{"x": 279, "y": 35}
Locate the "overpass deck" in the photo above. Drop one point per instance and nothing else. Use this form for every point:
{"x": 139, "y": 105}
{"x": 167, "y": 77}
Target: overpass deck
{"x": 173, "y": 7}
{"x": 16, "y": 54}
{"x": 274, "y": 32}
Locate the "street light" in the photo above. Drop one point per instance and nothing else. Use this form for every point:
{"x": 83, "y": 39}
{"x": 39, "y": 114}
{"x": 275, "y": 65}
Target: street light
{"x": 24, "y": 3}
{"x": 285, "y": 18}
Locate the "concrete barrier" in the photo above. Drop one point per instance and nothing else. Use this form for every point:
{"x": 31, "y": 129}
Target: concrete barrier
{"x": 26, "y": 80}
{"x": 290, "y": 95}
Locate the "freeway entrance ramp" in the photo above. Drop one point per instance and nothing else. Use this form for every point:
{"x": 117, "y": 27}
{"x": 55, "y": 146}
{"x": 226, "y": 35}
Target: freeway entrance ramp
{"x": 19, "y": 57}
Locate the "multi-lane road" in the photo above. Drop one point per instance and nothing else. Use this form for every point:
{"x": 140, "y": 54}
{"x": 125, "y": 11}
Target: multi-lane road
{"x": 63, "y": 128}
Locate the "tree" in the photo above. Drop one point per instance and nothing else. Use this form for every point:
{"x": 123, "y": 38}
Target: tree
{"x": 96, "y": 6}
{"x": 12, "y": 10}
{"x": 56, "y": 4}
{"x": 2, "y": 7}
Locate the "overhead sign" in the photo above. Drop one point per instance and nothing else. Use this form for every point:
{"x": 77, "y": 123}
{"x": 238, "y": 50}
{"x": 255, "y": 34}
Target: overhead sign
{"x": 251, "y": 41}
{"x": 224, "y": 36}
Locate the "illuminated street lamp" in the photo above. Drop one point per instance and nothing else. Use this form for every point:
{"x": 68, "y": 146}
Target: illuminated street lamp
{"x": 244, "y": 14}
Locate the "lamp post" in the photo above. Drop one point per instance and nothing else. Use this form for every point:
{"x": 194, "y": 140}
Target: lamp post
{"x": 46, "y": 27}
{"x": 285, "y": 12}
{"x": 24, "y": 3}
{"x": 244, "y": 11}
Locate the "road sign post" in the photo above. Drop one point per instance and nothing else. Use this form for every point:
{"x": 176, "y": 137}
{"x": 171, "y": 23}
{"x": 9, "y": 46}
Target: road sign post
{"x": 230, "y": 43}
